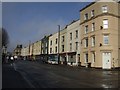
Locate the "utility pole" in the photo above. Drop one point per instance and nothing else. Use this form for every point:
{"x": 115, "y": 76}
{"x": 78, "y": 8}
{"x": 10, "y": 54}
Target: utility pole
{"x": 29, "y": 49}
{"x": 58, "y": 44}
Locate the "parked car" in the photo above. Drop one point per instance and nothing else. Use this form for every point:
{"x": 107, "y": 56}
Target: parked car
{"x": 52, "y": 61}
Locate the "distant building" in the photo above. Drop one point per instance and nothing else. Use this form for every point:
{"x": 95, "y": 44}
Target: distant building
{"x": 45, "y": 47}
{"x": 36, "y": 49}
{"x": 25, "y": 52}
{"x": 53, "y": 47}
{"x": 17, "y": 51}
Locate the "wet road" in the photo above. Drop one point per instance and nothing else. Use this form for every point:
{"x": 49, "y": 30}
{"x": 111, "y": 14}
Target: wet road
{"x": 40, "y": 75}
{"x": 12, "y": 78}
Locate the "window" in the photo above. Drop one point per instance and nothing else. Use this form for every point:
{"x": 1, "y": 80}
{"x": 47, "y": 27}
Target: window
{"x": 104, "y": 9}
{"x": 70, "y": 46}
{"x": 86, "y": 16}
{"x": 106, "y": 39}
{"x": 56, "y": 41}
{"x": 51, "y": 42}
{"x": 86, "y": 42}
{"x": 46, "y": 44}
{"x": 76, "y": 33}
{"x": 86, "y": 29}
{"x": 56, "y": 49}
{"x": 45, "y": 51}
{"x": 50, "y": 50}
{"x": 62, "y": 48}
{"x": 93, "y": 57}
{"x": 63, "y": 38}
{"x": 86, "y": 57}
{"x": 105, "y": 24}
{"x": 93, "y": 41}
{"x": 92, "y": 13}
{"x": 76, "y": 45}
{"x": 70, "y": 36}
{"x": 93, "y": 26}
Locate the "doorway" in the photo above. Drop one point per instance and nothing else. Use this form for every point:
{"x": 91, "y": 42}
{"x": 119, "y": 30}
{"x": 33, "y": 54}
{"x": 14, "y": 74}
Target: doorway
{"x": 106, "y": 60}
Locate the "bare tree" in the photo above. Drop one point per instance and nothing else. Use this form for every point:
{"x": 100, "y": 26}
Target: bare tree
{"x": 5, "y": 37}
{"x": 5, "y": 41}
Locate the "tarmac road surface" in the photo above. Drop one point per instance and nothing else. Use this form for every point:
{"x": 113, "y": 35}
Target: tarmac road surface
{"x": 40, "y": 75}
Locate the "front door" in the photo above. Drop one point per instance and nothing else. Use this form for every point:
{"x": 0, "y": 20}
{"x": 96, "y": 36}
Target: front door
{"x": 106, "y": 60}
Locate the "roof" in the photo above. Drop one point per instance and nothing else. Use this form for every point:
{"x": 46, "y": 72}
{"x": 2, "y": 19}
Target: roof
{"x": 87, "y": 6}
{"x": 93, "y": 3}
{"x": 73, "y": 22}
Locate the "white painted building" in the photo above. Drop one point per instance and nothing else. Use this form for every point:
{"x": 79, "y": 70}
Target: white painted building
{"x": 53, "y": 43}
{"x": 73, "y": 43}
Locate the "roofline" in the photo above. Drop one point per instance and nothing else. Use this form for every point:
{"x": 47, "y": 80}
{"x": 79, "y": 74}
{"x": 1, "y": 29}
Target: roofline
{"x": 90, "y": 5}
{"x": 87, "y": 6}
{"x": 73, "y": 22}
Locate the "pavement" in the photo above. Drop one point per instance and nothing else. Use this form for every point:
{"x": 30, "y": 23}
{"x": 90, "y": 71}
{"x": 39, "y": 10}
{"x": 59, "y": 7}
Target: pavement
{"x": 11, "y": 78}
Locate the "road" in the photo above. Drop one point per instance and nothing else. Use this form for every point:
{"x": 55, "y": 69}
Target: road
{"x": 40, "y": 75}
{"x": 11, "y": 78}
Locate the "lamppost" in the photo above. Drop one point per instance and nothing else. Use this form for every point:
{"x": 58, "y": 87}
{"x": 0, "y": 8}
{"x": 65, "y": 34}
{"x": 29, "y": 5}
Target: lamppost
{"x": 58, "y": 44}
{"x": 29, "y": 56}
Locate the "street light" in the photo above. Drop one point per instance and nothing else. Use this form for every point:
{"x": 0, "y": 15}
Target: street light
{"x": 29, "y": 56}
{"x": 58, "y": 44}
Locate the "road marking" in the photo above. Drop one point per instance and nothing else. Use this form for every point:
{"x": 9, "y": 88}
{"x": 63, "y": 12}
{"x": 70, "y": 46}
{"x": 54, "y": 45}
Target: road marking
{"x": 14, "y": 66}
{"x": 23, "y": 75}
{"x": 26, "y": 79}
{"x": 11, "y": 64}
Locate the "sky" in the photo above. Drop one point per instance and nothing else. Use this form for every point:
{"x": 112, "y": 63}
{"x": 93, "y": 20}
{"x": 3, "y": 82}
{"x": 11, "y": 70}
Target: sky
{"x": 30, "y": 21}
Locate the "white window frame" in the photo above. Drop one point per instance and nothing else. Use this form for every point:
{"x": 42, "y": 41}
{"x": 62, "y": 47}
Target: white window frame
{"x": 93, "y": 57}
{"x": 86, "y": 58}
{"x": 63, "y": 37}
{"x": 51, "y": 42}
{"x": 56, "y": 49}
{"x": 46, "y": 44}
{"x": 93, "y": 26}
{"x": 86, "y": 42}
{"x": 86, "y": 29}
{"x": 50, "y": 50}
{"x": 105, "y": 24}
{"x": 107, "y": 40}
{"x": 104, "y": 9}
{"x": 86, "y": 16}
{"x": 71, "y": 36}
{"x": 92, "y": 13}
{"x": 76, "y": 33}
{"x": 46, "y": 51}
{"x": 70, "y": 46}
{"x": 56, "y": 41}
{"x": 76, "y": 44}
{"x": 63, "y": 48}
{"x": 93, "y": 41}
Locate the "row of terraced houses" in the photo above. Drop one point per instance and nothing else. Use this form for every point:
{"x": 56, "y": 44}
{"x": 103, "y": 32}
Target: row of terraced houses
{"x": 91, "y": 41}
